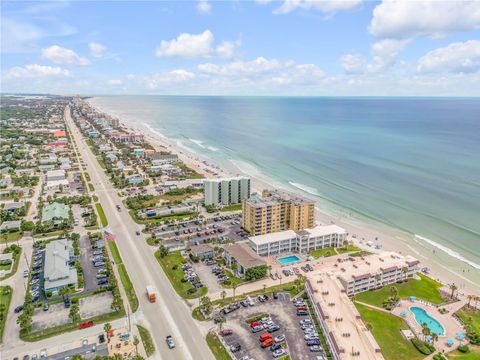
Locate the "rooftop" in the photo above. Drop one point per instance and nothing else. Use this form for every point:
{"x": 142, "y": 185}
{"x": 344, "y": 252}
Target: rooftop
{"x": 244, "y": 256}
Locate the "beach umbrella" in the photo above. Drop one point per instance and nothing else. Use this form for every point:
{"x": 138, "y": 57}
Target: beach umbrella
{"x": 413, "y": 298}
{"x": 428, "y": 339}
{"x": 460, "y": 336}
{"x": 403, "y": 313}
{"x": 450, "y": 342}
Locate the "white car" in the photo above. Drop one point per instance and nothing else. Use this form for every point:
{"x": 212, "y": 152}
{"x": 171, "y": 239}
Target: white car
{"x": 279, "y": 339}
{"x": 170, "y": 342}
{"x": 25, "y": 274}
{"x": 311, "y": 336}
{"x": 278, "y": 353}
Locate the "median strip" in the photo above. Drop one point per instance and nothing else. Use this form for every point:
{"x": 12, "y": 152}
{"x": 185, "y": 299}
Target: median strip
{"x": 124, "y": 278}
{"x": 101, "y": 213}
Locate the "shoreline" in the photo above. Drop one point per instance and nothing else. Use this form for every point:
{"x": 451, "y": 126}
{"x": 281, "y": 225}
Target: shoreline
{"x": 443, "y": 266}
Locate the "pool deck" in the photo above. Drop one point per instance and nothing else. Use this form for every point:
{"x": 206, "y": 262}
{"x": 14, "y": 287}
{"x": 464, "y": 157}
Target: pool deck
{"x": 448, "y": 322}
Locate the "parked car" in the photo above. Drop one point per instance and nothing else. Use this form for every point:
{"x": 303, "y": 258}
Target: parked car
{"x": 85, "y": 324}
{"x": 226, "y": 332}
{"x": 278, "y": 353}
{"x": 18, "y": 309}
{"x": 273, "y": 328}
{"x": 235, "y": 348}
{"x": 275, "y": 347}
{"x": 316, "y": 348}
{"x": 279, "y": 338}
{"x": 25, "y": 274}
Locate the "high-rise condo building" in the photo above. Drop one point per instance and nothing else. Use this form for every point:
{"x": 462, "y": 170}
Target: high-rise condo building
{"x": 277, "y": 211}
{"x": 226, "y": 191}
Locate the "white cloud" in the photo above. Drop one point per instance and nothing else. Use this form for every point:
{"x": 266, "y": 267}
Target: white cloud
{"x": 454, "y": 58}
{"x": 35, "y": 70}
{"x": 187, "y": 46}
{"x": 196, "y": 46}
{"x": 259, "y": 65}
{"x": 353, "y": 63}
{"x": 97, "y": 50}
{"x": 204, "y": 7}
{"x": 171, "y": 77}
{"x": 114, "y": 82}
{"x": 385, "y": 52}
{"x": 404, "y": 19}
{"x": 18, "y": 36}
{"x": 326, "y": 6}
{"x": 63, "y": 56}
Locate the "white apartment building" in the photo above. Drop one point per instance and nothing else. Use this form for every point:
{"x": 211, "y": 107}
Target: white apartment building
{"x": 226, "y": 191}
{"x": 302, "y": 242}
{"x": 375, "y": 271}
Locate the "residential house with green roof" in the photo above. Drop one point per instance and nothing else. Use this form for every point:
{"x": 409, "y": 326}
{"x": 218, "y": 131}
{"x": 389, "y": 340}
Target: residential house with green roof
{"x": 55, "y": 213}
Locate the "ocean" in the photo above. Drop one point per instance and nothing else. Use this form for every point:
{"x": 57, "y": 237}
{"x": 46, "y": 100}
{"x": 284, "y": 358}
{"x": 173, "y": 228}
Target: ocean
{"x": 412, "y": 164}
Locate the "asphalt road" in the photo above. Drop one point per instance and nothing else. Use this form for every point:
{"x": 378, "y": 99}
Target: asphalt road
{"x": 170, "y": 315}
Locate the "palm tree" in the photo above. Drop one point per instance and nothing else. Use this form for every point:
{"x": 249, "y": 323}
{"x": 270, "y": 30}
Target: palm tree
{"x": 269, "y": 270}
{"x": 394, "y": 292}
{"x": 234, "y": 286}
{"x": 434, "y": 338}
{"x": 223, "y": 294}
{"x": 264, "y": 288}
{"x": 453, "y": 287}
{"x": 405, "y": 271}
{"x": 425, "y": 331}
{"x": 377, "y": 279}
{"x": 135, "y": 343}
{"x": 107, "y": 327}
{"x": 470, "y": 298}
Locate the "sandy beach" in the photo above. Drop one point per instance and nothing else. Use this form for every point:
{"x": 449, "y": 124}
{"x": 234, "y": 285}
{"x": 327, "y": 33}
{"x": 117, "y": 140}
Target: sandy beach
{"x": 443, "y": 267}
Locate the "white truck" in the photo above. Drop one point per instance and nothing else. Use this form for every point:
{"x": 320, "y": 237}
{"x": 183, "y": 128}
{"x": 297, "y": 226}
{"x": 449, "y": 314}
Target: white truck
{"x": 151, "y": 293}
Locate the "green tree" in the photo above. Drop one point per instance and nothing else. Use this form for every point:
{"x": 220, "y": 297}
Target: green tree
{"x": 135, "y": 343}
{"x": 453, "y": 288}
{"x": 107, "y": 327}
{"x": 206, "y": 304}
{"x": 74, "y": 312}
{"x": 223, "y": 294}
{"x": 163, "y": 251}
{"x": 425, "y": 331}
{"x": 256, "y": 272}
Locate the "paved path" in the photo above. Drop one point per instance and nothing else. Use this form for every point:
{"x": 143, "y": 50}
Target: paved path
{"x": 170, "y": 315}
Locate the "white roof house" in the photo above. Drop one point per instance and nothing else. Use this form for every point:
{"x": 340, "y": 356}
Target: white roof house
{"x": 58, "y": 273}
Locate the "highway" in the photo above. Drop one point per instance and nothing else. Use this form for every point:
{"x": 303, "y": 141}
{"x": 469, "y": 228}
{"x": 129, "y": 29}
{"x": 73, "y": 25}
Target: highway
{"x": 170, "y": 315}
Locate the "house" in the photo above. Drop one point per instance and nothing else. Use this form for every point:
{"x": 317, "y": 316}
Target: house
{"x": 203, "y": 251}
{"x": 55, "y": 212}
{"x": 13, "y": 206}
{"x": 243, "y": 257}
{"x": 59, "y": 134}
{"x": 59, "y": 271}
{"x": 134, "y": 179}
{"x": 10, "y": 225}
{"x": 112, "y": 157}
{"x": 54, "y": 175}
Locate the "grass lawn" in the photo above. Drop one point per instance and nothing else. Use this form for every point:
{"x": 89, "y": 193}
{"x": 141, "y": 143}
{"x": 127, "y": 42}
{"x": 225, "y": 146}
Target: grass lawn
{"x": 386, "y": 330}
{"x": 466, "y": 313}
{"x": 232, "y": 207}
{"x": 124, "y": 278}
{"x": 175, "y": 259}
{"x": 48, "y": 235}
{"x": 426, "y": 289}
{"x": 325, "y": 252}
{"x": 361, "y": 253}
{"x": 217, "y": 348}
{"x": 13, "y": 236}
{"x": 349, "y": 248}
{"x": 233, "y": 279}
{"x": 146, "y": 340}
{"x": 4, "y": 300}
{"x": 101, "y": 163}
{"x": 101, "y": 213}
{"x": 16, "y": 261}
{"x": 473, "y": 354}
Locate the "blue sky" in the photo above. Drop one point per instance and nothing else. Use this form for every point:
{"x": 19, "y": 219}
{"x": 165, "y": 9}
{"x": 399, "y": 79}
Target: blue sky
{"x": 293, "y": 47}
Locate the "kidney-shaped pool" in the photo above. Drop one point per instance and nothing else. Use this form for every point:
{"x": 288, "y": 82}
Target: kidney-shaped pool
{"x": 422, "y": 317}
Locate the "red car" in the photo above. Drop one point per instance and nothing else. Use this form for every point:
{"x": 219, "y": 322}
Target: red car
{"x": 86, "y": 324}
{"x": 255, "y": 323}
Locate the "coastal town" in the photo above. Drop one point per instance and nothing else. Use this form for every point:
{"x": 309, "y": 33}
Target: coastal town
{"x": 115, "y": 244}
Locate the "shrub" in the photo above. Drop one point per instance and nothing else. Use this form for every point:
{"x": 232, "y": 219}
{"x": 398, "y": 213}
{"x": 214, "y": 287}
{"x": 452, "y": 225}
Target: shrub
{"x": 463, "y": 348}
{"x": 423, "y": 347}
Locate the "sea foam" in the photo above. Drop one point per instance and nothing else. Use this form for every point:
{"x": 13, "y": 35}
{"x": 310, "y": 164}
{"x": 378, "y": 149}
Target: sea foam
{"x": 448, "y": 251}
{"x": 305, "y": 188}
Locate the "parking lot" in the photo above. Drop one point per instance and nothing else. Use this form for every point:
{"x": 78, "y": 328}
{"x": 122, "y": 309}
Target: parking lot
{"x": 208, "y": 278}
{"x": 89, "y": 270}
{"x": 194, "y": 232}
{"x": 283, "y": 313}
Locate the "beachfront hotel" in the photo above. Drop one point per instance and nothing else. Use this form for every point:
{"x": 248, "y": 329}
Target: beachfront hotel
{"x": 226, "y": 191}
{"x": 374, "y": 271}
{"x": 277, "y": 211}
{"x": 301, "y": 242}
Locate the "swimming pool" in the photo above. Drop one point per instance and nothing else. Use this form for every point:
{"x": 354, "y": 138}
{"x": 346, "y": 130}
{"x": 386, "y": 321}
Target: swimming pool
{"x": 287, "y": 260}
{"x": 421, "y": 316}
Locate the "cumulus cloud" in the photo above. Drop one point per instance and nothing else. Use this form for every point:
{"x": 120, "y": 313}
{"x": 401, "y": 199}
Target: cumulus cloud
{"x": 115, "y": 82}
{"x": 404, "y": 19}
{"x": 63, "y": 56}
{"x": 460, "y": 57}
{"x": 35, "y": 70}
{"x": 97, "y": 50}
{"x": 385, "y": 52}
{"x": 203, "y": 6}
{"x": 196, "y": 46}
{"x": 353, "y": 63}
{"x": 158, "y": 80}
{"x": 329, "y": 7}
